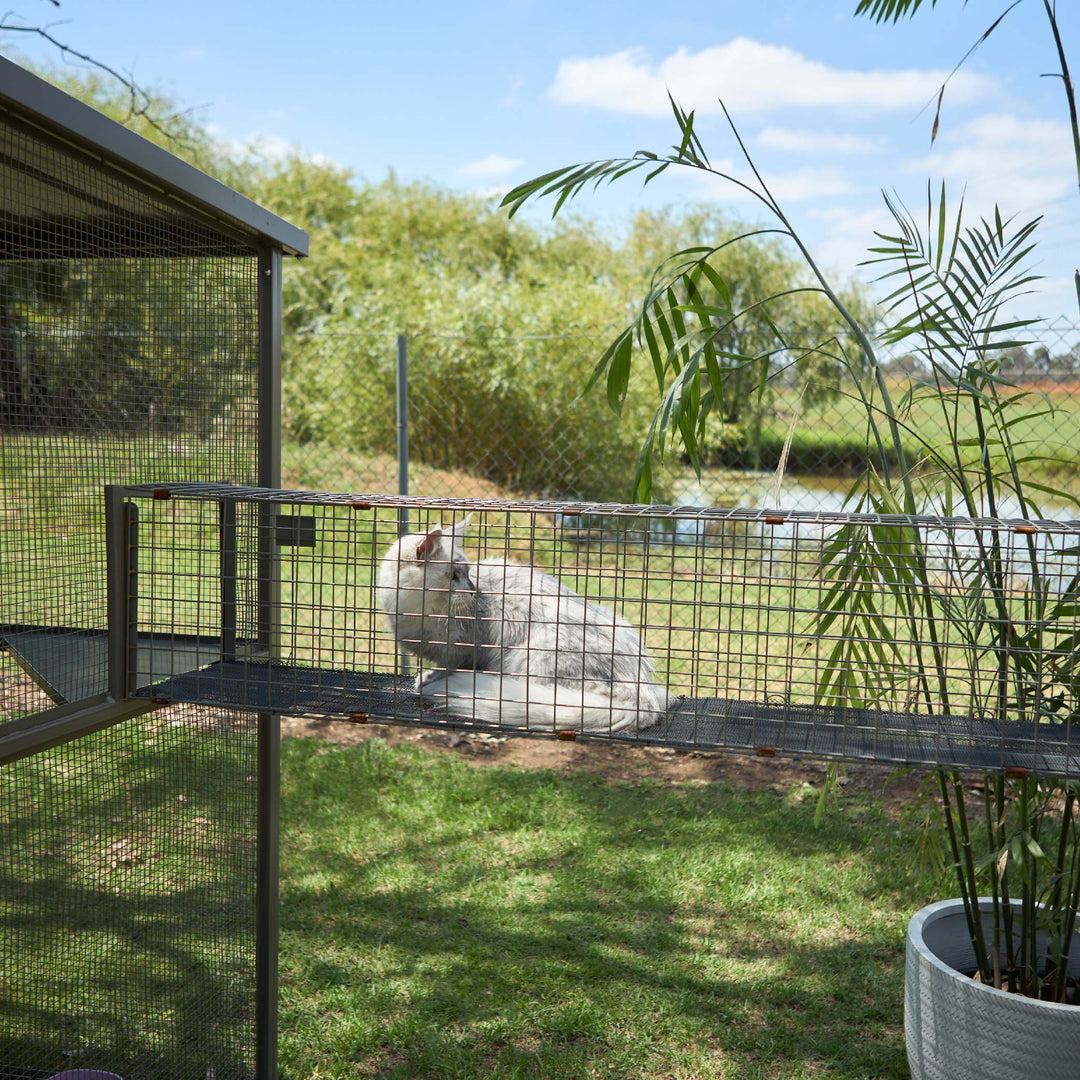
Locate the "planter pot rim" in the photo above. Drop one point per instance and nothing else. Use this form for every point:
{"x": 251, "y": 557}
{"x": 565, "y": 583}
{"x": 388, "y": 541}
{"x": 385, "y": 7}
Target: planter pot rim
{"x": 945, "y": 908}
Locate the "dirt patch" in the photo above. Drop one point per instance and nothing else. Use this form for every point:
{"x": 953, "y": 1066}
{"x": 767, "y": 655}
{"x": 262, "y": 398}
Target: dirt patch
{"x": 618, "y": 763}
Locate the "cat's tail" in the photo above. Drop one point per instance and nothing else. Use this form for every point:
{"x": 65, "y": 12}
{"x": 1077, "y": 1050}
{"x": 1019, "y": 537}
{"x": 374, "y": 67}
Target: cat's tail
{"x": 544, "y": 705}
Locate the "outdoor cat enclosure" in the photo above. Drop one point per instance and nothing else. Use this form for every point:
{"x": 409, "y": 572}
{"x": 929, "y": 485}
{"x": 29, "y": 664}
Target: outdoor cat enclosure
{"x": 139, "y": 339}
{"x": 958, "y": 645}
{"x": 145, "y": 650}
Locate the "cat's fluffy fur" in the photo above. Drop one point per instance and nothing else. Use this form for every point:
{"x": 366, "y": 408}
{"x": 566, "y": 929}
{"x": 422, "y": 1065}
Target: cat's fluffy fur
{"x": 510, "y": 644}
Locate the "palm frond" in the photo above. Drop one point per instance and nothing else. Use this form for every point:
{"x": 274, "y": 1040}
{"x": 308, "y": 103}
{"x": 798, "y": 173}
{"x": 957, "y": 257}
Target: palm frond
{"x": 890, "y": 10}
{"x": 571, "y": 180}
{"x": 952, "y": 282}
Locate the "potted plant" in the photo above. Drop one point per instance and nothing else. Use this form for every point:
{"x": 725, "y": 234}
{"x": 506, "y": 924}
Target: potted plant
{"x": 1009, "y": 941}
{"x": 957, "y": 1026}
{"x": 991, "y": 977}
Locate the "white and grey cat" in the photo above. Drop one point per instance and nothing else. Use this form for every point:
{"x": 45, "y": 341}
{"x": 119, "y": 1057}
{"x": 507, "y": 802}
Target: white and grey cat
{"x": 510, "y": 644}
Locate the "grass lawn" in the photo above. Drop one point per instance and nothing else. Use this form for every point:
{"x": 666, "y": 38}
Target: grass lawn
{"x": 443, "y": 921}
{"x": 830, "y": 440}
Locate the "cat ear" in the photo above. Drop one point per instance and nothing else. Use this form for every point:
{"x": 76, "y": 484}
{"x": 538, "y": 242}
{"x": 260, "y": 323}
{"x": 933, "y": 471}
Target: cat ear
{"x": 429, "y": 545}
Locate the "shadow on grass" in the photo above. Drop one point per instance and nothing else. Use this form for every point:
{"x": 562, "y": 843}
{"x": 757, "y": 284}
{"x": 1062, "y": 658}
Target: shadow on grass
{"x": 127, "y": 905}
{"x": 442, "y": 921}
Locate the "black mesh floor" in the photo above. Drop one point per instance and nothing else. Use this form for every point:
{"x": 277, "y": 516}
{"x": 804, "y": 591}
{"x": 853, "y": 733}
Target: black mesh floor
{"x": 720, "y": 724}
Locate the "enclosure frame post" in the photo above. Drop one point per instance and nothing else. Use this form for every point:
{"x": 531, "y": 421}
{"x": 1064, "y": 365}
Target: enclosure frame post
{"x": 268, "y": 772}
{"x": 269, "y": 735}
{"x": 269, "y": 466}
{"x": 121, "y": 553}
{"x": 228, "y": 570}
{"x": 269, "y": 292}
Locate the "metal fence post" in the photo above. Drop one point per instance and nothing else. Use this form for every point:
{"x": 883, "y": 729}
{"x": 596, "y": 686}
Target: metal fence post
{"x": 403, "y": 429}
{"x": 402, "y": 384}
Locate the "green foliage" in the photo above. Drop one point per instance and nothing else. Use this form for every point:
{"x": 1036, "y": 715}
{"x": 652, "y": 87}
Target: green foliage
{"x": 491, "y": 306}
{"x": 956, "y": 282}
{"x": 495, "y": 405}
{"x": 712, "y": 342}
{"x": 889, "y": 10}
{"x": 492, "y": 310}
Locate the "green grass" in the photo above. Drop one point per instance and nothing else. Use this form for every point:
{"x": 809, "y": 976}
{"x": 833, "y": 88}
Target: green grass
{"x": 831, "y": 439}
{"x": 441, "y": 921}
{"x": 126, "y": 896}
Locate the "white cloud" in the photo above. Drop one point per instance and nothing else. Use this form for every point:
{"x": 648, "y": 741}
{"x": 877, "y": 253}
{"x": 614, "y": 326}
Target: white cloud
{"x": 786, "y": 187}
{"x": 809, "y": 184}
{"x": 496, "y": 192}
{"x": 750, "y": 77}
{"x": 197, "y": 52}
{"x": 845, "y": 237}
{"x": 510, "y": 98}
{"x": 270, "y": 147}
{"x": 493, "y": 167}
{"x": 273, "y": 147}
{"x": 814, "y": 142}
{"x": 1023, "y": 165}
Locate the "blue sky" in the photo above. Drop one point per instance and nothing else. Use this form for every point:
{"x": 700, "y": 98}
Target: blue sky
{"x": 478, "y": 96}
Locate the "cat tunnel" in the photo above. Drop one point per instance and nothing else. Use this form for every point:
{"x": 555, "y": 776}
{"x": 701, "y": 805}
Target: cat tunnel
{"x": 853, "y": 637}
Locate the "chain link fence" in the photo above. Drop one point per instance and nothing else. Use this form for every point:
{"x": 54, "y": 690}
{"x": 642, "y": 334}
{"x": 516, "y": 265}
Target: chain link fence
{"x": 508, "y": 416}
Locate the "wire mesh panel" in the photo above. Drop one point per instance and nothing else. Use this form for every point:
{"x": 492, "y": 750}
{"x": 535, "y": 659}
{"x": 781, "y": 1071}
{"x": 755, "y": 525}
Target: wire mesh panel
{"x": 860, "y": 637}
{"x": 128, "y": 349}
{"x": 133, "y": 329}
{"x": 502, "y": 417}
{"x": 127, "y": 881}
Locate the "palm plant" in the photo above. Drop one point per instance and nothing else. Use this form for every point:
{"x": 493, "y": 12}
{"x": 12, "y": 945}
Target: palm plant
{"x": 950, "y": 286}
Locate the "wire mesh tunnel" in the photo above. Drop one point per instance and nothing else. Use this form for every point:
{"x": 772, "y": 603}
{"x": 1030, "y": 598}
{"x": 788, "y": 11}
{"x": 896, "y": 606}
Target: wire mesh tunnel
{"x": 930, "y": 641}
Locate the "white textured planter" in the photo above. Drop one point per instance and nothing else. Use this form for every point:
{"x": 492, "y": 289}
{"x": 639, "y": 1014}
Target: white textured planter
{"x": 958, "y": 1029}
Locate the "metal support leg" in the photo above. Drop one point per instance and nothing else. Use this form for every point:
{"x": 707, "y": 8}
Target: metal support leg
{"x": 121, "y": 548}
{"x": 266, "y": 898}
{"x": 228, "y": 579}
{"x": 267, "y": 601}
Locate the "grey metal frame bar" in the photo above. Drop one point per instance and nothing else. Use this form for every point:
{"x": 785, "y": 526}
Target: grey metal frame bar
{"x": 228, "y": 580}
{"x": 269, "y": 730}
{"x": 25, "y": 95}
{"x": 43, "y": 730}
{"x": 121, "y": 548}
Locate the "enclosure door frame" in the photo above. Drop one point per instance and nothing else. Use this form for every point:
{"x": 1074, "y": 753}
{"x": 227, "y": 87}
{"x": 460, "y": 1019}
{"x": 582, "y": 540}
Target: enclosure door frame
{"x": 267, "y": 895}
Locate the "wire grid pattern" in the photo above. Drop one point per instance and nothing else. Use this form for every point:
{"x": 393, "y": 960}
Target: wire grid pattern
{"x": 128, "y": 349}
{"x": 734, "y": 607}
{"x": 127, "y": 871}
{"x": 486, "y": 416}
{"x": 504, "y": 417}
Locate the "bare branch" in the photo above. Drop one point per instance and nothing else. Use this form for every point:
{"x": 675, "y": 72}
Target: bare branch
{"x": 140, "y": 103}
